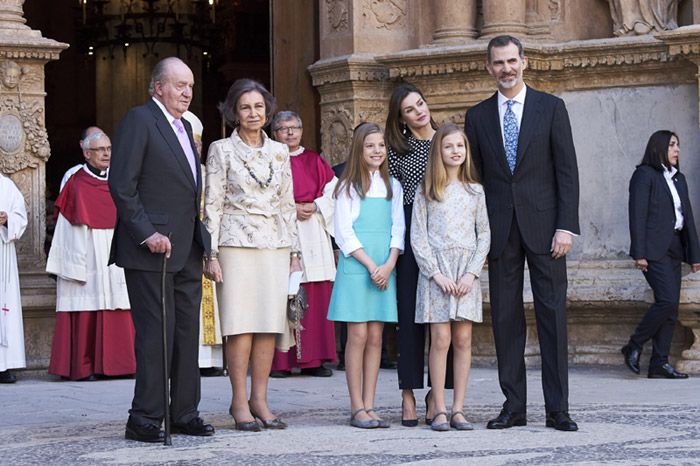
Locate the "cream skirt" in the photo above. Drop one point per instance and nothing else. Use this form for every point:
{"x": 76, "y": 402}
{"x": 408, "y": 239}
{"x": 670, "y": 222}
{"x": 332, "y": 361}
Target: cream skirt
{"x": 253, "y": 296}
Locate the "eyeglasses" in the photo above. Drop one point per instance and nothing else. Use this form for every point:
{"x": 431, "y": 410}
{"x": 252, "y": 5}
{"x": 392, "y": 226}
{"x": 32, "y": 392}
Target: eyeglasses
{"x": 100, "y": 149}
{"x": 288, "y": 129}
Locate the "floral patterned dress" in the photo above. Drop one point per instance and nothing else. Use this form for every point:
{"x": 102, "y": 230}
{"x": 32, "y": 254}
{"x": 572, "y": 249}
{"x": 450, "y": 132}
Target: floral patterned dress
{"x": 452, "y": 237}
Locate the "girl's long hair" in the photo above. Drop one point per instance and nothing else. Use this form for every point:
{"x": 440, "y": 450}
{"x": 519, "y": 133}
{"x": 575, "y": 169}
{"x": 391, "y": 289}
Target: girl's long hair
{"x": 356, "y": 172}
{"x": 395, "y": 137}
{"x": 435, "y": 179}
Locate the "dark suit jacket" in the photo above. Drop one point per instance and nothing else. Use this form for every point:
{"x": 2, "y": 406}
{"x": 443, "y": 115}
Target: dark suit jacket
{"x": 152, "y": 186}
{"x": 543, "y": 190}
{"x": 652, "y": 217}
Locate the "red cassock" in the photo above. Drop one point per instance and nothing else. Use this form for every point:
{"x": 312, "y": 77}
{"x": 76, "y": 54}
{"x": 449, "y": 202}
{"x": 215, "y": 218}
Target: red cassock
{"x": 310, "y": 174}
{"x": 92, "y": 341}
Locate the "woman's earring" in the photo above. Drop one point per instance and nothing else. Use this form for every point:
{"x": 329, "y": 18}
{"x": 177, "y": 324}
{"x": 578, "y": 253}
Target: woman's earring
{"x": 404, "y": 129}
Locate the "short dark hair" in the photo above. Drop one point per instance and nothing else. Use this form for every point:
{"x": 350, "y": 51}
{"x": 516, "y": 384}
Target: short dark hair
{"x": 238, "y": 88}
{"x": 503, "y": 41}
{"x": 656, "y": 153}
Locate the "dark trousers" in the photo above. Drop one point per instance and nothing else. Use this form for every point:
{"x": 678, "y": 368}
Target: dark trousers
{"x": 659, "y": 322}
{"x": 183, "y": 293}
{"x": 548, "y": 282}
{"x": 410, "y": 337}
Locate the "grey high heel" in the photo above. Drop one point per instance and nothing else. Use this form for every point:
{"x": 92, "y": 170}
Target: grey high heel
{"x": 459, "y": 425}
{"x": 250, "y": 426}
{"x": 381, "y": 423}
{"x": 368, "y": 424}
{"x": 275, "y": 423}
{"x": 440, "y": 426}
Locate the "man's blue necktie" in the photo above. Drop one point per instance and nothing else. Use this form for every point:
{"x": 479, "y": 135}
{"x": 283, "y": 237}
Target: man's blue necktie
{"x": 510, "y": 132}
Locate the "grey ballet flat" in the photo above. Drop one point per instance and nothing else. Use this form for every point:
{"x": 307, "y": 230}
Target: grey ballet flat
{"x": 440, "y": 426}
{"x": 465, "y": 425}
{"x": 381, "y": 423}
{"x": 368, "y": 424}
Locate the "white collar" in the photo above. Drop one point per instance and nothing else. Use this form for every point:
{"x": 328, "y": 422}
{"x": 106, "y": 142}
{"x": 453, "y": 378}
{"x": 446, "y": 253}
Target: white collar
{"x": 165, "y": 111}
{"x": 520, "y": 97}
{"x": 670, "y": 172}
{"x": 299, "y": 151}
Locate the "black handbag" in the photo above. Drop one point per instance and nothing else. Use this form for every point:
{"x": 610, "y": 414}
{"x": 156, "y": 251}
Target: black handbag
{"x": 296, "y": 310}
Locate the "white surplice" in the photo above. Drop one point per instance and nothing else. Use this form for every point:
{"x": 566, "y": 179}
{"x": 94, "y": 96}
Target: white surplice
{"x": 11, "y": 328}
{"x": 79, "y": 257}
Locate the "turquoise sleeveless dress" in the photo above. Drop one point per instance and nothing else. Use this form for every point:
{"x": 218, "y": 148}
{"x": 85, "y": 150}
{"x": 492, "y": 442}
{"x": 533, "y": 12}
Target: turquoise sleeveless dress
{"x": 355, "y": 298}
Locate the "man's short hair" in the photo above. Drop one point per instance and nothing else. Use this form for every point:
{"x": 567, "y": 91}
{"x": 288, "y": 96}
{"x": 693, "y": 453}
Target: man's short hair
{"x": 503, "y": 41}
{"x": 160, "y": 72}
{"x": 90, "y": 138}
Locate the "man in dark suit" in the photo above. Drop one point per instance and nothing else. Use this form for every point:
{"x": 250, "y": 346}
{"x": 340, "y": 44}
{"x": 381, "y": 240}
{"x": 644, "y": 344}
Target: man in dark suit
{"x": 522, "y": 146}
{"x": 155, "y": 182}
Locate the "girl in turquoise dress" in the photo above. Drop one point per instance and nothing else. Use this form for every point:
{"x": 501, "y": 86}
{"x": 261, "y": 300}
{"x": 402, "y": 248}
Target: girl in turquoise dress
{"x": 369, "y": 229}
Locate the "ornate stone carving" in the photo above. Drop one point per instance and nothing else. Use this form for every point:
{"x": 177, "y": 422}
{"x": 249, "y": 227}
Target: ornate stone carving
{"x": 386, "y": 14}
{"x": 23, "y": 139}
{"x": 555, "y": 10}
{"x": 638, "y": 17}
{"x": 336, "y": 133}
{"x": 337, "y": 15}
{"x": 11, "y": 74}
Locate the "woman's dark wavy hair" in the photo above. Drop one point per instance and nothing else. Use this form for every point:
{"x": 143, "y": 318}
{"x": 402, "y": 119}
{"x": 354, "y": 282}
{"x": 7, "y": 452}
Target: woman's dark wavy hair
{"x": 237, "y": 89}
{"x": 394, "y": 136}
{"x": 656, "y": 153}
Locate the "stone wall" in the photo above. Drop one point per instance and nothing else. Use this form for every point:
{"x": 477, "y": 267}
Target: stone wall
{"x": 618, "y": 91}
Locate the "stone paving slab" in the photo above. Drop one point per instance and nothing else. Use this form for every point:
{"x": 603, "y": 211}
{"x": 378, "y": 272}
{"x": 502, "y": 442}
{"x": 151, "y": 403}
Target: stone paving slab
{"x": 623, "y": 419}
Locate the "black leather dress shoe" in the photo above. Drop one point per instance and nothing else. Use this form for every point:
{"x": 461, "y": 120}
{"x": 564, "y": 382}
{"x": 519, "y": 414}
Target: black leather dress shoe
{"x": 506, "y": 420}
{"x": 665, "y": 371}
{"x": 7, "y": 377}
{"x": 560, "y": 420}
{"x": 148, "y": 432}
{"x": 317, "y": 371}
{"x": 280, "y": 374}
{"x": 632, "y": 355}
{"x": 211, "y": 372}
{"x": 195, "y": 426}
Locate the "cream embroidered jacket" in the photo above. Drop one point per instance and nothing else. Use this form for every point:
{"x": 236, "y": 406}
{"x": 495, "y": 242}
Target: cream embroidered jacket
{"x": 239, "y": 211}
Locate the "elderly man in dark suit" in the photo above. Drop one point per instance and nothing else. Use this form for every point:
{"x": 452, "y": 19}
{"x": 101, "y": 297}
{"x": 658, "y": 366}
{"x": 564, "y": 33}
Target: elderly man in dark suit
{"x": 521, "y": 143}
{"x": 155, "y": 182}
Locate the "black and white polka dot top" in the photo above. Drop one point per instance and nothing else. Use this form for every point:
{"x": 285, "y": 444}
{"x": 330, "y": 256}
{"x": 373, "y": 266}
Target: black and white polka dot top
{"x": 409, "y": 168}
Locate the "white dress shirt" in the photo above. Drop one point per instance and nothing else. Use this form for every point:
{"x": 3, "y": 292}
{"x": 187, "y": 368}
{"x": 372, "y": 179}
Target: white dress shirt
{"x": 347, "y": 210}
{"x": 668, "y": 175}
{"x": 518, "y": 105}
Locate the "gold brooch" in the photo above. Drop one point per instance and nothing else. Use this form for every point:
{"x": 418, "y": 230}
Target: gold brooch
{"x": 279, "y": 157}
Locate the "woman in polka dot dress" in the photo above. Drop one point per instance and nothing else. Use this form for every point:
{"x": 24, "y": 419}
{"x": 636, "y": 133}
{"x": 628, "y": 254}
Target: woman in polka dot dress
{"x": 409, "y": 131}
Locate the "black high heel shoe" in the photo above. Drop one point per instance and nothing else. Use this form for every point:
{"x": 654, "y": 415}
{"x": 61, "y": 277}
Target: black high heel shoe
{"x": 275, "y": 423}
{"x": 250, "y": 426}
{"x": 408, "y": 422}
{"x": 428, "y": 420}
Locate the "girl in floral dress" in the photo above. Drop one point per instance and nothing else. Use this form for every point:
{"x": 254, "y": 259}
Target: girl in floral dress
{"x": 450, "y": 237}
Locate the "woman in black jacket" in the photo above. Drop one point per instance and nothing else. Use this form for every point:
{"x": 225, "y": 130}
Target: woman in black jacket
{"x": 662, "y": 232}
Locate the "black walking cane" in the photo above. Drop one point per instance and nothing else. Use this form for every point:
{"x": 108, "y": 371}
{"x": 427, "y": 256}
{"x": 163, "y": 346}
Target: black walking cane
{"x": 166, "y": 376}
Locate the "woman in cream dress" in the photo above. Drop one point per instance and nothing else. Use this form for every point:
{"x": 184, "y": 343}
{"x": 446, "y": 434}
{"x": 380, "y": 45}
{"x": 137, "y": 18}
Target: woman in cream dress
{"x": 250, "y": 213}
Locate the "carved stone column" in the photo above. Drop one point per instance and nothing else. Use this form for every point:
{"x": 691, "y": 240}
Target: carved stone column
{"x": 455, "y": 22}
{"x": 24, "y": 150}
{"x": 503, "y": 17}
{"x": 24, "y": 145}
